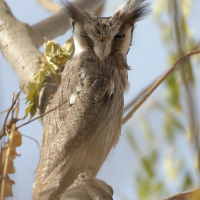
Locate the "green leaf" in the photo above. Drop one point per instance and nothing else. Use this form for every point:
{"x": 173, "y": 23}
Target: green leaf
{"x": 173, "y": 91}
{"x": 187, "y": 182}
{"x": 132, "y": 141}
{"x": 146, "y": 128}
{"x": 148, "y": 163}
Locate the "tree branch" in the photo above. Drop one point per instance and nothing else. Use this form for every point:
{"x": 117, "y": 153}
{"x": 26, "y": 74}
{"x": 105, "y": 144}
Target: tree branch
{"x": 19, "y": 42}
{"x": 191, "y": 195}
{"x": 157, "y": 83}
{"x": 17, "y": 46}
{"x": 49, "y": 5}
{"x": 58, "y": 24}
{"x": 11, "y": 109}
{"x": 126, "y": 108}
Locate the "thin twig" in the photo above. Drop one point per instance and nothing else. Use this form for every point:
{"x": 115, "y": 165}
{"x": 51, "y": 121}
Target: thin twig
{"x": 191, "y": 195}
{"x": 10, "y": 144}
{"x": 157, "y": 83}
{"x": 136, "y": 98}
{"x": 2, "y": 133}
{"x": 4, "y": 111}
{"x": 37, "y": 143}
{"x": 41, "y": 115}
{"x": 11, "y": 108}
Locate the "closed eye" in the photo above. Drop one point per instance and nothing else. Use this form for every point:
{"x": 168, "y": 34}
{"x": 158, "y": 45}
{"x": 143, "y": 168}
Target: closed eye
{"x": 84, "y": 36}
{"x": 88, "y": 40}
{"x": 120, "y": 36}
{"x": 72, "y": 22}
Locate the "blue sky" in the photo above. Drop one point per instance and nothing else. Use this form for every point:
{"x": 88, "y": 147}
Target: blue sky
{"x": 147, "y": 58}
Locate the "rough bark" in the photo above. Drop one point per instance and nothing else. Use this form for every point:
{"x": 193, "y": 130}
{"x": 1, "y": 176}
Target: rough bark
{"x": 27, "y": 39}
{"x": 17, "y": 46}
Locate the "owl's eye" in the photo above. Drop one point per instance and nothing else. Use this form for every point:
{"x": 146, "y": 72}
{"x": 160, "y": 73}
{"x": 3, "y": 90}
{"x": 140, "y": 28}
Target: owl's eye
{"x": 72, "y": 23}
{"x": 120, "y": 36}
{"x": 84, "y": 36}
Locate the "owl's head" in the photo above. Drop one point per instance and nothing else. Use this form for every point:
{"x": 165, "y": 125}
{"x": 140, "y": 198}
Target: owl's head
{"x": 105, "y": 35}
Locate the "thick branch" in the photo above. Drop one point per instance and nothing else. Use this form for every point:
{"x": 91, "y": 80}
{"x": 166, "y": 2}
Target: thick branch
{"x": 17, "y": 46}
{"x": 191, "y": 195}
{"x": 19, "y": 42}
{"x": 58, "y": 24}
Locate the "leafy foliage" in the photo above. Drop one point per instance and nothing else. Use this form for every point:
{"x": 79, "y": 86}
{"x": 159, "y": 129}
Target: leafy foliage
{"x": 160, "y": 165}
{"x": 52, "y": 63}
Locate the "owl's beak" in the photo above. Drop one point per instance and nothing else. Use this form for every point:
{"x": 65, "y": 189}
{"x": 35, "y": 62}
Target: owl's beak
{"x": 102, "y": 49}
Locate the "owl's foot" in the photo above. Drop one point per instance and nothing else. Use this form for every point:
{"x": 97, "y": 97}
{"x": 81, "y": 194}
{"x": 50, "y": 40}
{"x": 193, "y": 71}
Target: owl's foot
{"x": 98, "y": 189}
{"x": 86, "y": 187}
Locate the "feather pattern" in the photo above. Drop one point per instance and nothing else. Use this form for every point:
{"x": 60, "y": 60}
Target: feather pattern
{"x": 84, "y": 128}
{"x": 80, "y": 133}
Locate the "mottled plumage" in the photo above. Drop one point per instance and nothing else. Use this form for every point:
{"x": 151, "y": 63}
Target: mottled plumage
{"x": 78, "y": 135}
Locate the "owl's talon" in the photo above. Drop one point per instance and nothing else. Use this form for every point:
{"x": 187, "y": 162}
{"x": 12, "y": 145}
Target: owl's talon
{"x": 98, "y": 190}
{"x": 102, "y": 186}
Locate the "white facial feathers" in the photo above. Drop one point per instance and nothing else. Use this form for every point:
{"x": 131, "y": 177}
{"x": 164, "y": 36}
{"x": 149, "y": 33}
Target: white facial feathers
{"x": 102, "y": 49}
{"x": 78, "y": 45}
{"x": 127, "y": 41}
{"x": 104, "y": 36}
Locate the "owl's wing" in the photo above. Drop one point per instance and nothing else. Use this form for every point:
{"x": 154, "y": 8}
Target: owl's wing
{"x": 85, "y": 93}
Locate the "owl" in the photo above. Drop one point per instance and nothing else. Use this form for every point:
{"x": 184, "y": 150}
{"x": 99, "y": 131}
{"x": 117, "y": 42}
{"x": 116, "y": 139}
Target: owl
{"x": 86, "y": 125}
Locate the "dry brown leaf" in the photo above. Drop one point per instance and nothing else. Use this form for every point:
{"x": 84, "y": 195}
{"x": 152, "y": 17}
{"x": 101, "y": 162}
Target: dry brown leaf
{"x": 8, "y": 186}
{"x": 7, "y": 155}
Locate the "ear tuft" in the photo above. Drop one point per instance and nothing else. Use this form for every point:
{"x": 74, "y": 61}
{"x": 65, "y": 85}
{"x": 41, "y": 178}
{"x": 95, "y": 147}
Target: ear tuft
{"x": 74, "y": 12}
{"x": 141, "y": 10}
{"x": 133, "y": 10}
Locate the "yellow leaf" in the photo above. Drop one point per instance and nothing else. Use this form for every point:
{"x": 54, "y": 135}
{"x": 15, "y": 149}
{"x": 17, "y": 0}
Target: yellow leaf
{"x": 53, "y": 61}
{"x": 186, "y": 7}
{"x": 172, "y": 168}
{"x": 159, "y": 6}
